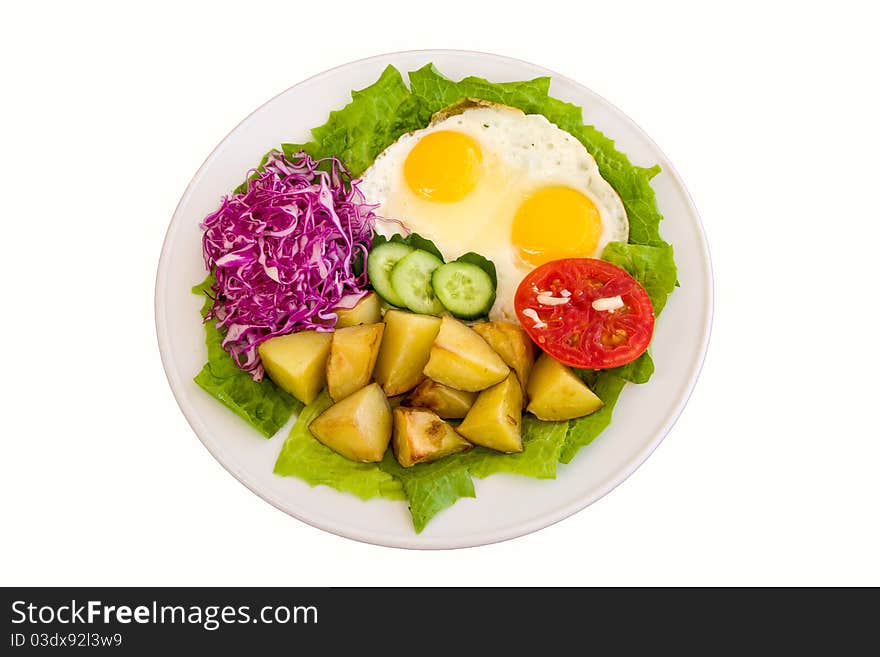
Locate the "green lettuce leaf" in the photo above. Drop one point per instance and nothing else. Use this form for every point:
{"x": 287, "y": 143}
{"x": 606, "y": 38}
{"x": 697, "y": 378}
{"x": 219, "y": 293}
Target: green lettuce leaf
{"x": 375, "y": 118}
{"x": 583, "y": 430}
{"x": 542, "y": 445}
{"x": 431, "y": 487}
{"x": 652, "y": 266}
{"x": 638, "y": 371}
{"x": 434, "y": 91}
{"x": 262, "y": 404}
{"x": 303, "y": 456}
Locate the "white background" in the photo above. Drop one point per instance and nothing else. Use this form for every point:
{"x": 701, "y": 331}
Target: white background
{"x": 770, "y": 113}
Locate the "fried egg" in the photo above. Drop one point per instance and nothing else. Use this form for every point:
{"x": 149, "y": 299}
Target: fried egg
{"x": 491, "y": 179}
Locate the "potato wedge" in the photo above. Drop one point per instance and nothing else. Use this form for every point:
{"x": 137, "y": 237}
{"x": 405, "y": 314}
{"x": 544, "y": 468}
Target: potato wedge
{"x": 461, "y": 359}
{"x": 358, "y": 427}
{"x": 366, "y": 311}
{"x": 353, "y": 353}
{"x": 296, "y": 362}
{"x": 513, "y": 344}
{"x": 446, "y": 402}
{"x": 557, "y": 393}
{"x": 405, "y": 349}
{"x": 495, "y": 419}
{"x": 420, "y": 436}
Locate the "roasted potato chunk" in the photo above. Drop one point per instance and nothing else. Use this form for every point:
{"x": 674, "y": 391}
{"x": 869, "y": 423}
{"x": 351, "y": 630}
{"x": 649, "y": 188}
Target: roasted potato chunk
{"x": 446, "y": 402}
{"x": 353, "y": 353}
{"x": 366, "y": 311}
{"x": 513, "y": 344}
{"x": 557, "y": 393}
{"x": 461, "y": 359}
{"x": 495, "y": 419}
{"x": 421, "y": 436}
{"x": 296, "y": 362}
{"x": 405, "y": 349}
{"x": 358, "y": 427}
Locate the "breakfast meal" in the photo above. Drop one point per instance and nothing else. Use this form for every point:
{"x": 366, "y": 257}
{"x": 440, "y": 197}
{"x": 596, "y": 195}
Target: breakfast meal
{"x": 451, "y": 280}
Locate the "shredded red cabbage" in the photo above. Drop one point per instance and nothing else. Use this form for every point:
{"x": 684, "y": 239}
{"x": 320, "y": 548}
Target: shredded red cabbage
{"x": 283, "y": 253}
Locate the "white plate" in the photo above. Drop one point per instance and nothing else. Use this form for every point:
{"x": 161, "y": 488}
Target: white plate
{"x": 506, "y": 506}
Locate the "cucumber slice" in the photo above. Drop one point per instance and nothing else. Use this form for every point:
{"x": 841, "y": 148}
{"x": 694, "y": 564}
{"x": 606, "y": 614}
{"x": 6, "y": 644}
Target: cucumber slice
{"x": 411, "y": 280}
{"x": 380, "y": 262}
{"x": 466, "y": 290}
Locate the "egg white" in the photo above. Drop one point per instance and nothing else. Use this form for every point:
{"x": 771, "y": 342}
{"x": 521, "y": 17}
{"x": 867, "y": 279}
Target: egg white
{"x": 521, "y": 155}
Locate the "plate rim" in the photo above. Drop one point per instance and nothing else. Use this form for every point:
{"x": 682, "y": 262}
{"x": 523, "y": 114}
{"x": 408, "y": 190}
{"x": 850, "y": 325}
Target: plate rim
{"x": 416, "y": 541}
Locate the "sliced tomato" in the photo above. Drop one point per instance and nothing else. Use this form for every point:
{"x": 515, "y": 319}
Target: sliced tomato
{"x": 573, "y": 331}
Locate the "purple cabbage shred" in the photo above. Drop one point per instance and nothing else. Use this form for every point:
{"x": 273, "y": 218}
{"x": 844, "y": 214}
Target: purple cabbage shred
{"x": 283, "y": 253}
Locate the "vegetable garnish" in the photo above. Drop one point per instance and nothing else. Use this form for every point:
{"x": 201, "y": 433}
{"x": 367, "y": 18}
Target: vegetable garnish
{"x": 409, "y": 272}
{"x": 586, "y": 312}
{"x": 284, "y": 253}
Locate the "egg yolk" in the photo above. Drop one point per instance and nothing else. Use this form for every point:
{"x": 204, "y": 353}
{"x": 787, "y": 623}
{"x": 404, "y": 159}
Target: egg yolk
{"x": 554, "y": 223}
{"x": 443, "y": 166}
